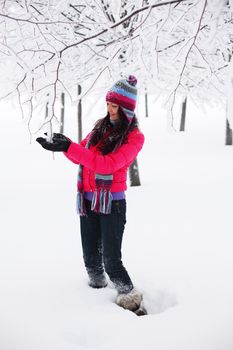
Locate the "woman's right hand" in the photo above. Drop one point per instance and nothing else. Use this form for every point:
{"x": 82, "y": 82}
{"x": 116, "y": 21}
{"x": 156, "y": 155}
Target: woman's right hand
{"x": 60, "y": 143}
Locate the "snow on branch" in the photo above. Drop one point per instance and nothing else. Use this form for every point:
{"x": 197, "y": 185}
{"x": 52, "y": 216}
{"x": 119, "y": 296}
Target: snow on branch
{"x": 176, "y": 46}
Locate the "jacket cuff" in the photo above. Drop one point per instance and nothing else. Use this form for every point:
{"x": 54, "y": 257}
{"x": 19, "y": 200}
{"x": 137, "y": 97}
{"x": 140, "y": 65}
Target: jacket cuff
{"x": 72, "y": 153}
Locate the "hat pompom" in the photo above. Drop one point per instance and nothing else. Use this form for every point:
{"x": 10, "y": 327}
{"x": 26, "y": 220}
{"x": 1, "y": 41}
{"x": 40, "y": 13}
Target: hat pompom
{"x": 132, "y": 80}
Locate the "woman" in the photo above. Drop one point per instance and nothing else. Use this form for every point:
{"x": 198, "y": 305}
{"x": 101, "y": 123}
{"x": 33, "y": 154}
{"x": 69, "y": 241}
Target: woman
{"x": 104, "y": 157}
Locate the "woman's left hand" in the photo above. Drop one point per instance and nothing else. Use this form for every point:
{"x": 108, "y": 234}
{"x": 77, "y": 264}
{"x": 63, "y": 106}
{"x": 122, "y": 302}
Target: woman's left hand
{"x": 60, "y": 143}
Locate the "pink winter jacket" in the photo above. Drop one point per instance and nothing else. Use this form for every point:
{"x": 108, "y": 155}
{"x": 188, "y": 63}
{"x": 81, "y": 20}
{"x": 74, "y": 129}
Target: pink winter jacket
{"x": 116, "y": 163}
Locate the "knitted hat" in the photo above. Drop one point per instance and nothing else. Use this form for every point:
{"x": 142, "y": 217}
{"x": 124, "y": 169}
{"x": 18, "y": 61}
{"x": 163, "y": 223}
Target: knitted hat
{"x": 124, "y": 94}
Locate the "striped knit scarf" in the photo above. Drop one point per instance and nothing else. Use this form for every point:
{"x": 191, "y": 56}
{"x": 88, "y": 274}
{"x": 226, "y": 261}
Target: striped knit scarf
{"x": 102, "y": 196}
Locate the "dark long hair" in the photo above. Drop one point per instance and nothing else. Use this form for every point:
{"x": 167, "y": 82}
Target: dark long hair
{"x": 108, "y": 136}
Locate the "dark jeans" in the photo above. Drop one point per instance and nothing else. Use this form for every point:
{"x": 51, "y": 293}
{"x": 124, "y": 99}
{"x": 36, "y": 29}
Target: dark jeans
{"x": 101, "y": 236}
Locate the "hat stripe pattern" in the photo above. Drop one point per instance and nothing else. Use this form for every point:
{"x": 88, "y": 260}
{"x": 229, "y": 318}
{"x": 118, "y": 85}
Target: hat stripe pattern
{"x": 130, "y": 114}
{"x": 124, "y": 93}
{"x": 121, "y": 100}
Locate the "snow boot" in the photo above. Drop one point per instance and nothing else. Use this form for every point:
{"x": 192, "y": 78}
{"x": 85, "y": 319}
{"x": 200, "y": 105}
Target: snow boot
{"x": 97, "y": 281}
{"x": 130, "y": 301}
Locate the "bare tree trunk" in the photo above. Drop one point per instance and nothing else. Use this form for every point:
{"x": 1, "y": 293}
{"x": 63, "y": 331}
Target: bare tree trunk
{"x": 183, "y": 114}
{"x": 62, "y": 112}
{"x": 80, "y": 132}
{"x": 134, "y": 174}
{"x": 46, "y": 109}
{"x": 146, "y": 104}
{"x": 228, "y": 141}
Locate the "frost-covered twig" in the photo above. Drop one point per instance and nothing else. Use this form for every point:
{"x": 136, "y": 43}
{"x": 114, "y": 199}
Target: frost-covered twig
{"x": 99, "y": 74}
{"x": 119, "y": 23}
{"x": 187, "y": 55}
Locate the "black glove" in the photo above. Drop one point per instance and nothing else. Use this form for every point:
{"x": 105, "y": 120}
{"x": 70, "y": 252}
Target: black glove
{"x": 60, "y": 143}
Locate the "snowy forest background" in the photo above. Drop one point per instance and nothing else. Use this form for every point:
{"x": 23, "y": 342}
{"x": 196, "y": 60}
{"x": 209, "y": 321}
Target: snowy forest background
{"x": 174, "y": 48}
{"x": 57, "y": 60}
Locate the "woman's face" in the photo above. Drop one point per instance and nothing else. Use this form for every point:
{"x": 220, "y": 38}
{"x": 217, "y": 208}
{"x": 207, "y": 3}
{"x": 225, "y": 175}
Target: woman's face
{"x": 113, "y": 110}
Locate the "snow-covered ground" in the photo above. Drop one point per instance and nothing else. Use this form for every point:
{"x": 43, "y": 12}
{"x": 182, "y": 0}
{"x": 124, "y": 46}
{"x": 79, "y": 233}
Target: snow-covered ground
{"x": 177, "y": 245}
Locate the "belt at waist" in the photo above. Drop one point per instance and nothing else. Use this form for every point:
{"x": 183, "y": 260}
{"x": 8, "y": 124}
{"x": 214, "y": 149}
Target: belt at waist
{"x": 115, "y": 195}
